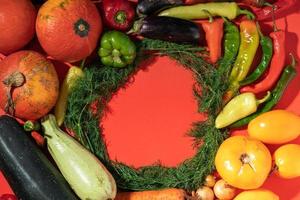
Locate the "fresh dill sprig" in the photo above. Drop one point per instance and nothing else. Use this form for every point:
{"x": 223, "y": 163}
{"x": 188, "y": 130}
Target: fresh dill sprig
{"x": 87, "y": 105}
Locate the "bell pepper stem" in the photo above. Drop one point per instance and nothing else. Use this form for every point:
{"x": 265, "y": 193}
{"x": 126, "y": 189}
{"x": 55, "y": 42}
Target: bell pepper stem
{"x": 264, "y": 99}
{"x": 211, "y": 19}
{"x": 120, "y": 17}
{"x": 249, "y": 14}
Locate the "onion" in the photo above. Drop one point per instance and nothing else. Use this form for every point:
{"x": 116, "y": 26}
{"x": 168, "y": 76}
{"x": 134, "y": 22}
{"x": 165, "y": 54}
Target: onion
{"x": 210, "y": 181}
{"x": 205, "y": 193}
{"x": 223, "y": 191}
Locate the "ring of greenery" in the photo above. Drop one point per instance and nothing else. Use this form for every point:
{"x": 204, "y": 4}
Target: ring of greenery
{"x": 100, "y": 83}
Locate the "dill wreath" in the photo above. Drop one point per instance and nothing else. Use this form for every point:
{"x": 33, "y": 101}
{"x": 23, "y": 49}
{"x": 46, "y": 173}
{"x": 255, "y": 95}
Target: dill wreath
{"x": 100, "y": 83}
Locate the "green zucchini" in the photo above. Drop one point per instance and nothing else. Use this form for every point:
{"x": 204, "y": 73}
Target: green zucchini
{"x": 86, "y": 175}
{"x": 26, "y": 168}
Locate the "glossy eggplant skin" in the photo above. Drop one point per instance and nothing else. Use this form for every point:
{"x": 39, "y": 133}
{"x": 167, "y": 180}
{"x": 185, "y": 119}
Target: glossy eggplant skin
{"x": 26, "y": 168}
{"x": 147, "y": 7}
{"x": 172, "y": 30}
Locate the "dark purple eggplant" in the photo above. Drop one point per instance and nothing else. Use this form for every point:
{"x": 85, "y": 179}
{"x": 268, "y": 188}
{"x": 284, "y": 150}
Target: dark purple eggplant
{"x": 147, "y": 7}
{"x": 26, "y": 168}
{"x": 170, "y": 29}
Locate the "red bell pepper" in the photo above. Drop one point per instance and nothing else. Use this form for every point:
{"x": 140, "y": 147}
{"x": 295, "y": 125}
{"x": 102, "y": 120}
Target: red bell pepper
{"x": 118, "y": 14}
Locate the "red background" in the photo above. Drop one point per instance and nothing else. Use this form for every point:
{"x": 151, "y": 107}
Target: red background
{"x": 148, "y": 120}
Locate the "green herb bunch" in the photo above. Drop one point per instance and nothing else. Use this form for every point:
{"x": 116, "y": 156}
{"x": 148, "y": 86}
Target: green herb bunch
{"x": 87, "y": 105}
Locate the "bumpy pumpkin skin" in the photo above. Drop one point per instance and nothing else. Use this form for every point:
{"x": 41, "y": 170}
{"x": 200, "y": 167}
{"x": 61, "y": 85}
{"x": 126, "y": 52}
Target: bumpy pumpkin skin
{"x": 38, "y": 95}
{"x": 68, "y": 30}
{"x": 17, "y": 24}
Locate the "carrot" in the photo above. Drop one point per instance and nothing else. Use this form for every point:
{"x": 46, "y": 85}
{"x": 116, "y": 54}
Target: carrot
{"x": 165, "y": 194}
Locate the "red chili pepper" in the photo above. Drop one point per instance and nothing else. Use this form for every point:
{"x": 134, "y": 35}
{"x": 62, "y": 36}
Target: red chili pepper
{"x": 38, "y": 139}
{"x": 276, "y": 67}
{"x": 8, "y": 197}
{"x": 213, "y": 35}
{"x": 118, "y": 14}
{"x": 279, "y": 7}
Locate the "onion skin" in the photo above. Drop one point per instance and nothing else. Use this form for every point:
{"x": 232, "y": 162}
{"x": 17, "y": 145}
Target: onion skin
{"x": 210, "y": 181}
{"x": 223, "y": 190}
{"x": 205, "y": 193}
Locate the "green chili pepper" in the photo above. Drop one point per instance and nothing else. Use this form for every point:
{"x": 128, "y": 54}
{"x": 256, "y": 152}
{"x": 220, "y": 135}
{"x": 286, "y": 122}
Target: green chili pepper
{"x": 267, "y": 53}
{"x": 231, "y": 47}
{"x": 116, "y": 50}
{"x": 247, "y": 51}
{"x": 288, "y": 74}
{"x": 199, "y": 11}
{"x": 239, "y": 107}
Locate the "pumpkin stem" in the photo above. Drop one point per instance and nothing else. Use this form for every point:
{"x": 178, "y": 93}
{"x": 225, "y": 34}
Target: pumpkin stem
{"x": 16, "y": 79}
{"x": 81, "y": 28}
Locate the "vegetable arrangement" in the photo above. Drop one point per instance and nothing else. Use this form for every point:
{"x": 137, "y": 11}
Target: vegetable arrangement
{"x": 204, "y": 37}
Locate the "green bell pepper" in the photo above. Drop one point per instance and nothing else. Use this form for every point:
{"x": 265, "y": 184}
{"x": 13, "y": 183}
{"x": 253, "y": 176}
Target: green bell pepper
{"x": 116, "y": 49}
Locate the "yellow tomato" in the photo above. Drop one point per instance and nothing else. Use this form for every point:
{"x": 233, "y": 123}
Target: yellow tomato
{"x": 275, "y": 127}
{"x": 243, "y": 162}
{"x": 257, "y": 194}
{"x": 287, "y": 161}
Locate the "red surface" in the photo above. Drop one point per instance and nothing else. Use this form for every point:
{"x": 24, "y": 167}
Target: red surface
{"x": 148, "y": 120}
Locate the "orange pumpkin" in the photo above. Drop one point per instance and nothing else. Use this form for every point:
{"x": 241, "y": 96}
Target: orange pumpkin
{"x": 29, "y": 85}
{"x": 68, "y": 30}
{"x": 17, "y": 24}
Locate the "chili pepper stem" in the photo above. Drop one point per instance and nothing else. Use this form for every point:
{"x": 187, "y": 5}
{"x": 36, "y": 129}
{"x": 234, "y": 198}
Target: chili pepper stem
{"x": 82, "y": 64}
{"x": 264, "y": 99}
{"x": 249, "y": 14}
{"x": 293, "y": 60}
{"x": 275, "y": 29}
{"x": 136, "y": 27}
{"x": 268, "y": 4}
{"x": 211, "y": 19}
{"x": 259, "y": 30}
{"x": 31, "y": 126}
{"x": 225, "y": 19}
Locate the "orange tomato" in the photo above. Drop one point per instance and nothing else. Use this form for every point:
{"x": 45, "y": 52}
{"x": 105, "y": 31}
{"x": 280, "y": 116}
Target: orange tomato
{"x": 257, "y": 194}
{"x": 275, "y": 127}
{"x": 243, "y": 162}
{"x": 287, "y": 162}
